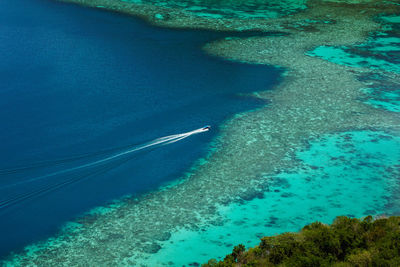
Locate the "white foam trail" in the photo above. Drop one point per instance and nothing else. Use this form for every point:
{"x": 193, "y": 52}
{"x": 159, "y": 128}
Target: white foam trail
{"x": 175, "y": 140}
{"x": 170, "y": 139}
{"x": 179, "y": 137}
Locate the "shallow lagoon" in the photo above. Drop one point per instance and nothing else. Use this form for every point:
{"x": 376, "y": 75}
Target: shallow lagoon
{"x": 333, "y": 171}
{"x": 379, "y": 52}
{"x": 78, "y": 80}
{"x": 347, "y": 173}
{"x": 246, "y": 9}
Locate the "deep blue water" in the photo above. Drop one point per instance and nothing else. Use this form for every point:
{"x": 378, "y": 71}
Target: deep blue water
{"x": 75, "y": 80}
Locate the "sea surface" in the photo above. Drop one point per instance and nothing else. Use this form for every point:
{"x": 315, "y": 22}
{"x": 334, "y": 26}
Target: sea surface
{"x": 349, "y": 173}
{"x": 80, "y": 85}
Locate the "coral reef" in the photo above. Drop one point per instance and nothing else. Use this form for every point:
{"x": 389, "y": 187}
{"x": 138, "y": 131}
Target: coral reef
{"x": 316, "y": 98}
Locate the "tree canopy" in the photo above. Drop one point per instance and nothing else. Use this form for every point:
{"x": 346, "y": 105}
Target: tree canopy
{"x": 347, "y": 242}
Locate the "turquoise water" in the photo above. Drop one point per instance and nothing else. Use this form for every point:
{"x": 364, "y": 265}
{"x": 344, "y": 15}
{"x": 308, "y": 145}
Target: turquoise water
{"x": 382, "y": 93}
{"x": 78, "y": 81}
{"x": 243, "y": 9}
{"x": 350, "y": 173}
{"x": 346, "y": 173}
{"x": 342, "y": 56}
{"x": 379, "y": 53}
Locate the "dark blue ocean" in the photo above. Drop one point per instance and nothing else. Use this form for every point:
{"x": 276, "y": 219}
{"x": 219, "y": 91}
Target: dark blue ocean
{"x": 80, "y": 84}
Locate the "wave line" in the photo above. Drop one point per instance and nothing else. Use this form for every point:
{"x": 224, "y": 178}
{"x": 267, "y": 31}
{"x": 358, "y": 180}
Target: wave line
{"x": 170, "y": 139}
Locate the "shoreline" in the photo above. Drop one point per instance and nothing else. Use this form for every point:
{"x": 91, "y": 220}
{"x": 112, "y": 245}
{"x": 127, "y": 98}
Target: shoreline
{"x": 304, "y": 106}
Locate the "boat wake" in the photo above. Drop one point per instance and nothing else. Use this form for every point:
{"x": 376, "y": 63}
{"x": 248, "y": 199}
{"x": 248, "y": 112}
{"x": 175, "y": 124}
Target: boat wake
{"x": 104, "y": 164}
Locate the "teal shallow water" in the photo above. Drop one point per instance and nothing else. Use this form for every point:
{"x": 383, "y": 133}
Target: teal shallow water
{"x": 380, "y": 53}
{"x": 78, "y": 81}
{"x": 349, "y": 173}
{"x": 230, "y": 8}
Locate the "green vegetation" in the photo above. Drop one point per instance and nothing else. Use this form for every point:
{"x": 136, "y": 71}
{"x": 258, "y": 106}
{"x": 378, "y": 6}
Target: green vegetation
{"x": 347, "y": 242}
